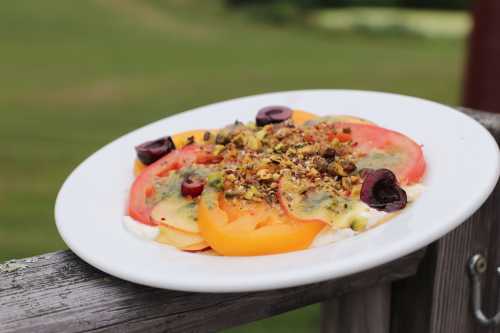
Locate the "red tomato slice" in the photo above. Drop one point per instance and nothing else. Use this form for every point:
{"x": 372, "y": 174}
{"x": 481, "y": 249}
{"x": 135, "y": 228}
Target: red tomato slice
{"x": 142, "y": 188}
{"x": 383, "y": 148}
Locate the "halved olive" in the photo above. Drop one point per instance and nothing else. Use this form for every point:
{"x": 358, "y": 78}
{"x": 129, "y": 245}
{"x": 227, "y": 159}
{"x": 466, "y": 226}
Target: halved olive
{"x": 381, "y": 191}
{"x": 151, "y": 151}
{"x": 273, "y": 115}
{"x": 192, "y": 187}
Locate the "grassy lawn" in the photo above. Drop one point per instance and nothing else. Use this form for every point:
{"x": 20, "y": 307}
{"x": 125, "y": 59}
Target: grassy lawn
{"x": 75, "y": 75}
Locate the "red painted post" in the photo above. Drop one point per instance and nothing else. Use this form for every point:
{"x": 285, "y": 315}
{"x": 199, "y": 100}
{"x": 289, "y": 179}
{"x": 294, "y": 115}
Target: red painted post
{"x": 482, "y": 77}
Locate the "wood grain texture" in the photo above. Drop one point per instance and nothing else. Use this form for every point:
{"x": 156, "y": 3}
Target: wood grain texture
{"x": 60, "y": 293}
{"x": 437, "y": 298}
{"x": 450, "y": 311}
{"x": 412, "y": 298}
{"x": 363, "y": 311}
{"x": 451, "y": 298}
{"x": 491, "y": 290}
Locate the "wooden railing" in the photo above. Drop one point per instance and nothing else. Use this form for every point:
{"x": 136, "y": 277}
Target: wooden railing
{"x": 427, "y": 291}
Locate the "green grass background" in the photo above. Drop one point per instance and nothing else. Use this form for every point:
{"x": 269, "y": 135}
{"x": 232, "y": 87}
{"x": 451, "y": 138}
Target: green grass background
{"x": 74, "y": 75}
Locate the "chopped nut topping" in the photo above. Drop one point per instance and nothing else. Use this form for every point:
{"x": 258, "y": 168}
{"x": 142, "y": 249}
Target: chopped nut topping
{"x": 254, "y": 159}
{"x": 206, "y": 136}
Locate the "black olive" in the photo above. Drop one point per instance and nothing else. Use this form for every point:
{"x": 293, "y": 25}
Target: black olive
{"x": 348, "y": 167}
{"x": 151, "y": 151}
{"x": 381, "y": 191}
{"x": 273, "y": 115}
{"x": 329, "y": 154}
{"x": 192, "y": 187}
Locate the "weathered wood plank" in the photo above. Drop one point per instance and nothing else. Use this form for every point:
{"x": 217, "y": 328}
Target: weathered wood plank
{"x": 60, "y": 293}
{"x": 363, "y": 311}
{"x": 437, "y": 298}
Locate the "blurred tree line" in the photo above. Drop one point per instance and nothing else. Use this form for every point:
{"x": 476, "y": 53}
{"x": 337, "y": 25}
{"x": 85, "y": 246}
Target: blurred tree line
{"x": 309, "y": 4}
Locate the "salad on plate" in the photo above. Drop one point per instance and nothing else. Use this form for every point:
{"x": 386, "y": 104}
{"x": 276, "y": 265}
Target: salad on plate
{"x": 288, "y": 181}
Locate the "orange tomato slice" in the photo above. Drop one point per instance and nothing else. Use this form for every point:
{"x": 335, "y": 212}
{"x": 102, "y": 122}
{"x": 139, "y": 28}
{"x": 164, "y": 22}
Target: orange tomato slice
{"x": 251, "y": 235}
{"x": 237, "y": 208}
{"x": 180, "y": 139}
{"x": 299, "y": 117}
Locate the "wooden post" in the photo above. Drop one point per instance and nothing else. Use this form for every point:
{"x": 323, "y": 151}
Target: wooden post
{"x": 437, "y": 298}
{"x": 482, "y": 77}
{"x": 364, "y": 311}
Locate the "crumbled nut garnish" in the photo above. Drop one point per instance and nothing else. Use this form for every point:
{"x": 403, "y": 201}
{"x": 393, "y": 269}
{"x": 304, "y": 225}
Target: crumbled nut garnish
{"x": 206, "y": 136}
{"x": 348, "y": 166}
{"x": 329, "y": 153}
{"x": 264, "y": 174}
{"x": 254, "y": 159}
{"x": 217, "y": 149}
{"x": 216, "y": 180}
{"x": 222, "y": 138}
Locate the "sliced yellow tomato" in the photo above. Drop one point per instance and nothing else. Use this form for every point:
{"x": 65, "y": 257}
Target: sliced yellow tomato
{"x": 177, "y": 212}
{"x": 177, "y": 238}
{"x": 181, "y": 139}
{"x": 299, "y": 117}
{"x": 197, "y": 247}
{"x": 138, "y": 167}
{"x": 249, "y": 235}
{"x": 351, "y": 119}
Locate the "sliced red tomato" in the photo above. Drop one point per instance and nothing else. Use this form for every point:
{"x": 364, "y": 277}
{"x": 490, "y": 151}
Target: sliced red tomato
{"x": 383, "y": 148}
{"x": 142, "y": 188}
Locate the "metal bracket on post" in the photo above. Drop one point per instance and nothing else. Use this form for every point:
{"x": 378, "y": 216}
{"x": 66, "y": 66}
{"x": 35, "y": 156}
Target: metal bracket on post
{"x": 477, "y": 266}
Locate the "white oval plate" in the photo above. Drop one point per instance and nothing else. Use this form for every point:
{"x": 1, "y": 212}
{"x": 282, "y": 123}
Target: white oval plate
{"x": 463, "y": 167}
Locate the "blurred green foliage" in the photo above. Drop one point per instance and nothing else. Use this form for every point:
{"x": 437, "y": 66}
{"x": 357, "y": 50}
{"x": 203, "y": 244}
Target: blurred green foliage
{"x": 436, "y": 4}
{"x": 76, "y": 75}
{"x": 304, "y": 4}
{"x": 393, "y": 21}
{"x": 283, "y": 12}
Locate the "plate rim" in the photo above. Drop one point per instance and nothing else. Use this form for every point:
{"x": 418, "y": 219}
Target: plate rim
{"x": 378, "y": 259}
